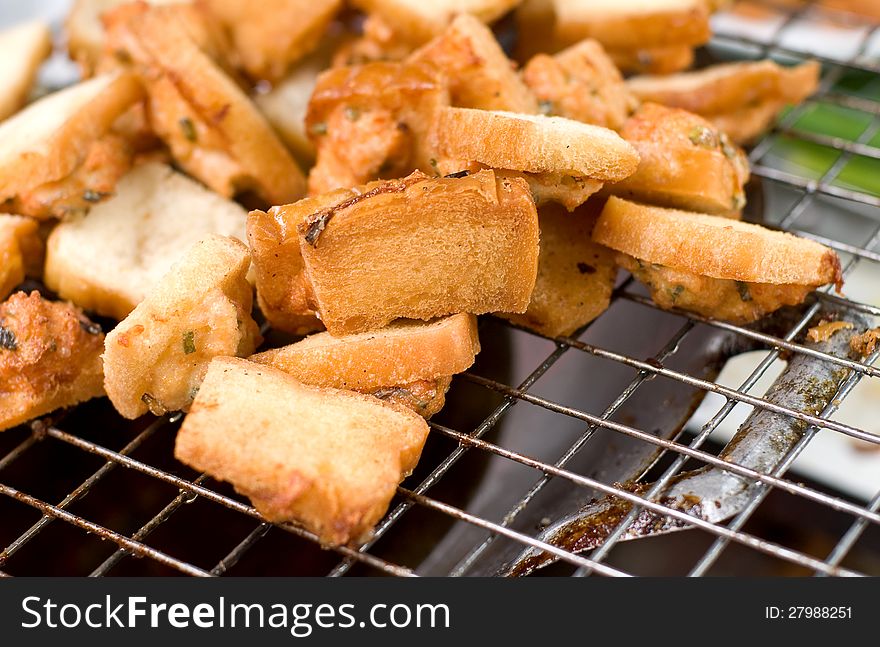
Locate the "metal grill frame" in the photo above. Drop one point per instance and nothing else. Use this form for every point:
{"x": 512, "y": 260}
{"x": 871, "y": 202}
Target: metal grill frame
{"x": 417, "y": 495}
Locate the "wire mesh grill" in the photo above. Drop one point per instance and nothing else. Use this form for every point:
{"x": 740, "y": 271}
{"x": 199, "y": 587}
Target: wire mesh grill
{"x": 174, "y": 491}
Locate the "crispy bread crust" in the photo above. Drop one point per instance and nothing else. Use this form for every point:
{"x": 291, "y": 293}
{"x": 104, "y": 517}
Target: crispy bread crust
{"x": 213, "y": 129}
{"x": 50, "y": 358}
{"x": 534, "y": 144}
{"x": 78, "y": 116}
{"x": 715, "y": 247}
{"x": 729, "y": 86}
{"x": 425, "y": 247}
{"x": 328, "y": 459}
{"x": 399, "y": 354}
{"x": 478, "y": 71}
{"x": 618, "y": 26}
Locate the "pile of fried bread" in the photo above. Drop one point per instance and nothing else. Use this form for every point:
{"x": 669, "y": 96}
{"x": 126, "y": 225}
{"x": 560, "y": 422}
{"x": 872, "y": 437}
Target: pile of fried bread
{"x": 366, "y": 177}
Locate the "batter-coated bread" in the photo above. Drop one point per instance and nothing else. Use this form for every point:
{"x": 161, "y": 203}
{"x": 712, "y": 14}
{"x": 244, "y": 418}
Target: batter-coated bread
{"x": 685, "y": 163}
{"x": 717, "y": 247}
{"x": 51, "y": 150}
{"x": 477, "y": 70}
{"x": 401, "y": 353}
{"x": 327, "y": 459}
{"x": 575, "y": 274}
{"x": 213, "y": 129}
{"x": 156, "y": 358}
{"x": 50, "y": 357}
{"x": 580, "y": 83}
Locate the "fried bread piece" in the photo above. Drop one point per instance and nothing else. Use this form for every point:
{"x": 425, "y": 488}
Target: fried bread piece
{"x": 420, "y": 248}
{"x": 85, "y": 32}
{"x": 372, "y": 121}
{"x": 327, "y": 459}
{"x": 477, "y": 70}
{"x": 633, "y": 24}
{"x": 50, "y": 357}
{"x": 283, "y": 292}
{"x": 22, "y": 49}
{"x": 21, "y": 251}
{"x": 575, "y": 275}
{"x": 684, "y": 163}
{"x": 156, "y": 358}
{"x": 714, "y": 266}
{"x": 580, "y": 83}
{"x": 418, "y": 21}
{"x": 403, "y": 352}
{"x": 110, "y": 259}
{"x": 57, "y": 155}
{"x": 213, "y": 129}
{"x": 551, "y": 152}
{"x": 727, "y": 94}
{"x": 271, "y": 36}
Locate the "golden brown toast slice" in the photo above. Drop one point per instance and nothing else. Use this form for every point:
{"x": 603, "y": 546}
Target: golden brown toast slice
{"x": 563, "y": 160}
{"x": 50, "y": 357}
{"x": 575, "y": 274}
{"x": 715, "y": 247}
{"x": 109, "y": 260}
{"x": 684, "y": 163}
{"x": 63, "y": 138}
{"x": 327, "y": 459}
{"x": 633, "y": 24}
{"x": 403, "y": 352}
{"x": 213, "y": 129}
{"x": 271, "y": 36}
{"x": 729, "y": 86}
{"x": 533, "y": 144}
{"x": 713, "y": 266}
{"x": 477, "y": 70}
{"x": 420, "y": 248}
{"x": 156, "y": 358}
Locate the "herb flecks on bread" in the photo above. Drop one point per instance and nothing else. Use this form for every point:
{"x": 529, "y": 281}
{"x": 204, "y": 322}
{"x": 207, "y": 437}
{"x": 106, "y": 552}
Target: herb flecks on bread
{"x": 156, "y": 358}
{"x": 674, "y": 251}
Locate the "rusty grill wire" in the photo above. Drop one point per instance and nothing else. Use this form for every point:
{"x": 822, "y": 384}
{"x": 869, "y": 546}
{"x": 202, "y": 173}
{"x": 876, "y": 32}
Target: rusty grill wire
{"x": 412, "y": 495}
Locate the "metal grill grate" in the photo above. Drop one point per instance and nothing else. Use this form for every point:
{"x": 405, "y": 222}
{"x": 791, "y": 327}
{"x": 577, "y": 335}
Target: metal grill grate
{"x": 418, "y": 496}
